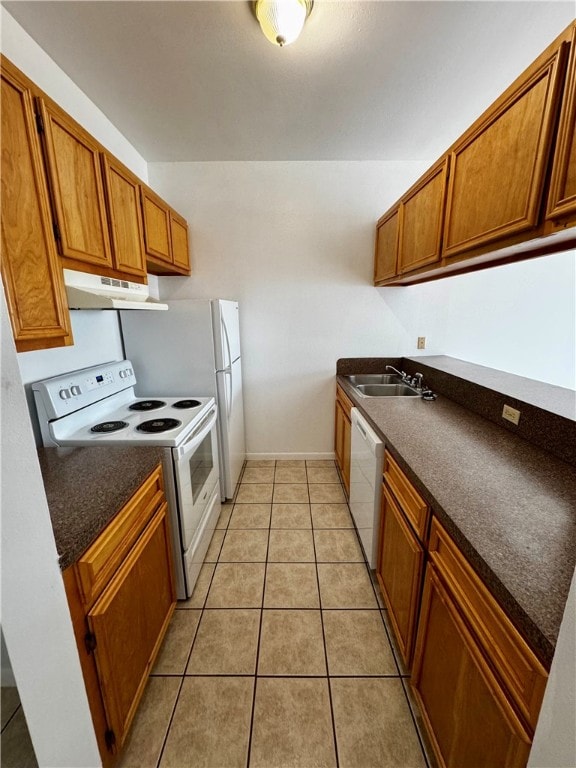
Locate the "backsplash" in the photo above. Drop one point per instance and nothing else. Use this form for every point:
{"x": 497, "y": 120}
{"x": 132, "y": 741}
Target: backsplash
{"x": 548, "y": 412}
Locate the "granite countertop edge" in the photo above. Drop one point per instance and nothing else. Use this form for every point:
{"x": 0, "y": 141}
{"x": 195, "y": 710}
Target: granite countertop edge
{"x": 436, "y": 483}
{"x": 87, "y": 487}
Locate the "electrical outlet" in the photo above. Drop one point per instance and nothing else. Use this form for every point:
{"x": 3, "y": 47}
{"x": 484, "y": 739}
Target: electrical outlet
{"x": 510, "y": 414}
{"x": 421, "y": 342}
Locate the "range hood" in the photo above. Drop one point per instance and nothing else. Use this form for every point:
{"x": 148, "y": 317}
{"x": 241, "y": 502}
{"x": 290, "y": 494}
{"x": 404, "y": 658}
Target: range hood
{"x": 86, "y": 291}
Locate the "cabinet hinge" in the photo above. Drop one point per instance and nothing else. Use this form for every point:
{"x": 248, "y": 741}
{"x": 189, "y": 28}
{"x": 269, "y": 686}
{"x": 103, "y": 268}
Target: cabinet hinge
{"x": 56, "y": 229}
{"x": 39, "y": 123}
{"x": 90, "y": 642}
{"x": 110, "y": 738}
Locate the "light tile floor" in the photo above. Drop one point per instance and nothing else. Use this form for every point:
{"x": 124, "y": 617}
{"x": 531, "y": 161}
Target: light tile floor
{"x": 15, "y": 745}
{"x": 281, "y": 657}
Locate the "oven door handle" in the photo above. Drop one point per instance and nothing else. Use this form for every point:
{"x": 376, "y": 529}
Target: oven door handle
{"x": 194, "y": 440}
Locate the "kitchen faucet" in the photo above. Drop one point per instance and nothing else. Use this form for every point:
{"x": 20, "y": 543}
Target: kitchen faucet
{"x": 403, "y": 376}
{"x": 415, "y": 381}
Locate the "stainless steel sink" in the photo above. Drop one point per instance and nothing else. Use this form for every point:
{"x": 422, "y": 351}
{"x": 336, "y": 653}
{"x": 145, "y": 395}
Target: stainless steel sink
{"x": 373, "y": 378}
{"x": 385, "y": 390}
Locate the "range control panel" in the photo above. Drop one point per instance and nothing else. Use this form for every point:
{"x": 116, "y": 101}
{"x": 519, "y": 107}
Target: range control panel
{"x": 67, "y": 393}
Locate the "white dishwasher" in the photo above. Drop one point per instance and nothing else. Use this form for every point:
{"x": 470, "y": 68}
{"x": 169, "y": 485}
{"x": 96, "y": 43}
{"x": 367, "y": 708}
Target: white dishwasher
{"x": 366, "y": 462}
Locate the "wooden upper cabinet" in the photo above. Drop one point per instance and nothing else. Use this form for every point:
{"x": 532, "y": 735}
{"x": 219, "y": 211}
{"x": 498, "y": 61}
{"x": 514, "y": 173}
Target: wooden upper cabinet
{"x": 497, "y": 169}
{"x": 75, "y": 178}
{"x": 165, "y": 236}
{"x": 562, "y": 196}
{"x": 386, "y": 256}
{"x": 156, "y": 215}
{"x": 180, "y": 244}
{"x": 126, "y": 233}
{"x": 422, "y": 207}
{"x": 31, "y": 271}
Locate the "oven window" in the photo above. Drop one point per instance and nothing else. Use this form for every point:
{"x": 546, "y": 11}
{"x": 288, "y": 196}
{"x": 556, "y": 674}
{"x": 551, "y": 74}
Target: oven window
{"x": 201, "y": 465}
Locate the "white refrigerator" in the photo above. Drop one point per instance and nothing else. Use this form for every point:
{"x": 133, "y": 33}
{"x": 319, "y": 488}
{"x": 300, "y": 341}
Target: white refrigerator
{"x": 194, "y": 350}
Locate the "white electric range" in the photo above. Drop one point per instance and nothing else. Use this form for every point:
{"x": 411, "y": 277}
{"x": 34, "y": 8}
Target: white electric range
{"x": 97, "y": 406}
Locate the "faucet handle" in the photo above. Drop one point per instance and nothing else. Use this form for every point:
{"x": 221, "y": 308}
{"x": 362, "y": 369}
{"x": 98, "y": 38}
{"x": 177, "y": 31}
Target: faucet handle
{"x": 417, "y": 380}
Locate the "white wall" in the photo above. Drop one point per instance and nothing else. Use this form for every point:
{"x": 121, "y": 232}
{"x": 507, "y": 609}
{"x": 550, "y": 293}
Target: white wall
{"x": 293, "y": 242}
{"x": 519, "y": 318}
{"x": 35, "y": 616}
{"x": 554, "y": 743}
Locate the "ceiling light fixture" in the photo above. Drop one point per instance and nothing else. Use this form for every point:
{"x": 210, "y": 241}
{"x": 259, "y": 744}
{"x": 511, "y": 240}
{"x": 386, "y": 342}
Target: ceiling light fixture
{"x": 282, "y": 21}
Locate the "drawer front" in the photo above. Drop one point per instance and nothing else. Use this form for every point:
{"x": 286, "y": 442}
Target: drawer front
{"x": 98, "y": 564}
{"x": 410, "y": 501}
{"x": 514, "y": 663}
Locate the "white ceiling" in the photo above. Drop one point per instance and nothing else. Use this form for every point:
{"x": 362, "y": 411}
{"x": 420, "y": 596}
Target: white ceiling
{"x": 365, "y": 81}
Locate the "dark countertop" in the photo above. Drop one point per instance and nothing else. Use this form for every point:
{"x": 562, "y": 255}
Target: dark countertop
{"x": 509, "y": 505}
{"x": 86, "y": 487}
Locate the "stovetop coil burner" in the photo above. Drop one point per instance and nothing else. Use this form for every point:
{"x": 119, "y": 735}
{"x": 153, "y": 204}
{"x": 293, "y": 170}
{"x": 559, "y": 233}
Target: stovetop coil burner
{"x": 146, "y": 405}
{"x": 158, "y": 425}
{"x": 187, "y": 404}
{"x": 109, "y": 426}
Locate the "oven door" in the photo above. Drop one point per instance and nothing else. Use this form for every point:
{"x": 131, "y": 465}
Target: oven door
{"x": 196, "y": 471}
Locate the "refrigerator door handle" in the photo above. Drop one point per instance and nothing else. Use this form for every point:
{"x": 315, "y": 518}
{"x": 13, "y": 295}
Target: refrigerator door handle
{"x": 228, "y": 372}
{"x": 228, "y": 361}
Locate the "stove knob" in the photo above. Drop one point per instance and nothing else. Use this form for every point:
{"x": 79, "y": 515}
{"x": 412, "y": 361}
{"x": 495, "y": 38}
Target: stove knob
{"x": 64, "y": 394}
{"x": 75, "y": 390}
{"x": 122, "y": 374}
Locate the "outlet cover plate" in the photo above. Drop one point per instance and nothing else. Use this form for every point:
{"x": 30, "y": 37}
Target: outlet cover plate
{"x": 511, "y": 414}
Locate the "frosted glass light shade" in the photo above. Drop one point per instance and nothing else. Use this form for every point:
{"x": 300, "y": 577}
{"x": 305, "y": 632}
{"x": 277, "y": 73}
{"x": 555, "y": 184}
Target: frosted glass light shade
{"x": 282, "y": 21}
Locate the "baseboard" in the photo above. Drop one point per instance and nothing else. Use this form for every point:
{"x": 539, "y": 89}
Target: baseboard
{"x": 290, "y": 456}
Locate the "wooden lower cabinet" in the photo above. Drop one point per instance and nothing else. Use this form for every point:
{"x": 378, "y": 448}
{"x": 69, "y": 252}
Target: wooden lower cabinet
{"x": 399, "y": 573}
{"x": 343, "y": 436}
{"x": 469, "y": 718}
{"x": 478, "y": 684}
{"x": 121, "y": 612}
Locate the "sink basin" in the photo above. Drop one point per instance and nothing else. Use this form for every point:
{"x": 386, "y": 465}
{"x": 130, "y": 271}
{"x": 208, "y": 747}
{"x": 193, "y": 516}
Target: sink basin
{"x": 386, "y": 390}
{"x": 373, "y": 378}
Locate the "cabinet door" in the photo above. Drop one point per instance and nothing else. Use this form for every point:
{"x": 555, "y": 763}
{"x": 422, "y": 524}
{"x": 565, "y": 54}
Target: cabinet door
{"x": 180, "y": 245}
{"x": 156, "y": 216}
{"x": 75, "y": 177}
{"x": 339, "y": 421}
{"x": 497, "y": 169}
{"x": 468, "y": 717}
{"x": 346, "y": 451}
{"x": 123, "y": 198}
{"x": 31, "y": 271}
{"x": 386, "y": 246}
{"x": 562, "y": 198}
{"x": 129, "y": 621}
{"x": 399, "y": 573}
{"x": 422, "y": 215}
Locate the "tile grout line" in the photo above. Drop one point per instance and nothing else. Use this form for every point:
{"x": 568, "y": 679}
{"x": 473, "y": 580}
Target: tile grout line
{"x": 401, "y": 677}
{"x": 183, "y": 676}
{"x": 324, "y": 638}
{"x": 249, "y": 748}
{"x": 12, "y": 716}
